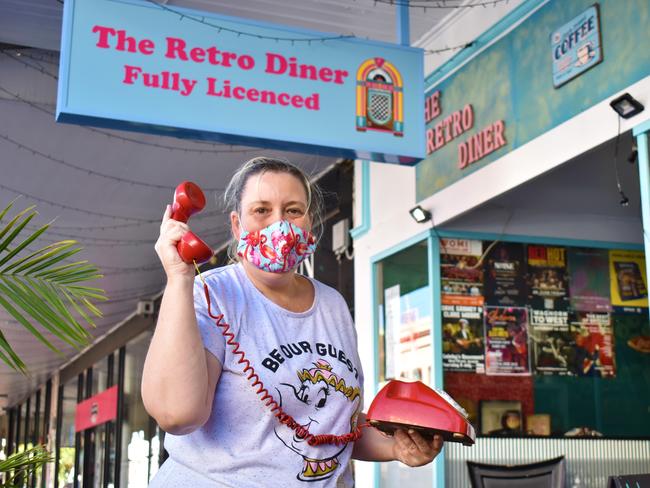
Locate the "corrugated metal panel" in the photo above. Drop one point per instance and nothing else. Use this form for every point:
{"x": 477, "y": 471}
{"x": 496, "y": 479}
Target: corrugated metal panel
{"x": 589, "y": 461}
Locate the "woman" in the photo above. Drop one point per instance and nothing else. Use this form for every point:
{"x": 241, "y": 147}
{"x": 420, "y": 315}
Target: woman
{"x": 296, "y": 332}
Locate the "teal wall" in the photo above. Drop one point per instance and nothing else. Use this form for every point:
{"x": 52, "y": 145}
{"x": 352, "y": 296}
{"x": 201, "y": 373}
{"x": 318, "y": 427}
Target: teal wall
{"x": 616, "y": 407}
{"x": 512, "y": 81}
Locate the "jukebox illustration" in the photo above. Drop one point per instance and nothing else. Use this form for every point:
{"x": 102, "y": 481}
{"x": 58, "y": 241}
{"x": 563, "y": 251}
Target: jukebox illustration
{"x": 379, "y": 97}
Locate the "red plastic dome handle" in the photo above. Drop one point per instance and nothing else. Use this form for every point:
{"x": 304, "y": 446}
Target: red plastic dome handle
{"x": 188, "y": 200}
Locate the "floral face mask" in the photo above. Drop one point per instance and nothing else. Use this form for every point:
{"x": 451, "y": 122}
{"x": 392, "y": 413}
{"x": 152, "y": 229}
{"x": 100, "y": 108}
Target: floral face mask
{"x": 278, "y": 248}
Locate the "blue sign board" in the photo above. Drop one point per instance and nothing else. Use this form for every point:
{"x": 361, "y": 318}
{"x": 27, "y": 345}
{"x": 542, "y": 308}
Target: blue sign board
{"x": 576, "y": 46}
{"x": 134, "y": 64}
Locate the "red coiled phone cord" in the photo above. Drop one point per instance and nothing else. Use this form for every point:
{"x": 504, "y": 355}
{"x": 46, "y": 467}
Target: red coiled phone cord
{"x": 266, "y": 398}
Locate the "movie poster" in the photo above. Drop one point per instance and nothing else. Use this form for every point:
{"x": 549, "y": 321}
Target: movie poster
{"x": 547, "y": 278}
{"x": 589, "y": 280}
{"x": 462, "y": 338}
{"x": 506, "y": 341}
{"x": 461, "y": 272}
{"x": 593, "y": 337}
{"x": 628, "y": 280}
{"x": 504, "y": 275}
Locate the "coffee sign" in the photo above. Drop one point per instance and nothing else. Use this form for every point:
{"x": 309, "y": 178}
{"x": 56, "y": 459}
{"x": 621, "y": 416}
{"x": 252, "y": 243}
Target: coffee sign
{"x": 576, "y": 46}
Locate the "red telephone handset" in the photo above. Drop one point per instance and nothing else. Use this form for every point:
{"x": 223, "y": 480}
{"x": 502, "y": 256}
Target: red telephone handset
{"x": 188, "y": 200}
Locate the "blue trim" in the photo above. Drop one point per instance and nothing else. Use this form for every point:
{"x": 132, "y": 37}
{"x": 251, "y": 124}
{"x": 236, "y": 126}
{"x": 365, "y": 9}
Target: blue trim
{"x": 433, "y": 251}
{"x": 375, "y": 348}
{"x": 362, "y": 229}
{"x": 66, "y": 47}
{"x": 551, "y": 241}
{"x": 641, "y": 128}
{"x": 403, "y": 27}
{"x": 399, "y": 247}
{"x": 644, "y": 182}
{"x": 521, "y": 12}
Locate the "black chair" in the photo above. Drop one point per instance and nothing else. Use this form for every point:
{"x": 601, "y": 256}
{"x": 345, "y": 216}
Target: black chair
{"x": 545, "y": 474}
{"x": 629, "y": 481}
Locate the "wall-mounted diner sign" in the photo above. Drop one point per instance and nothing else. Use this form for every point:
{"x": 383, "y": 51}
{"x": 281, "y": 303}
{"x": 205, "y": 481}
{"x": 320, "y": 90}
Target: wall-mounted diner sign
{"x": 473, "y": 144}
{"x": 133, "y": 64}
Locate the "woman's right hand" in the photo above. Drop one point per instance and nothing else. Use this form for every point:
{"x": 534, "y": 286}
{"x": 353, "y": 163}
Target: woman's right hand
{"x": 171, "y": 232}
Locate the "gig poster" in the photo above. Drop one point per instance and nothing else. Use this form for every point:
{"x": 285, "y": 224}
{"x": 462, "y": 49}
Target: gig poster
{"x": 547, "y": 278}
{"x": 589, "y": 280}
{"x": 461, "y": 272}
{"x": 551, "y": 341}
{"x": 462, "y": 338}
{"x": 506, "y": 341}
{"x": 505, "y": 275}
{"x": 593, "y": 338}
{"x": 628, "y": 280}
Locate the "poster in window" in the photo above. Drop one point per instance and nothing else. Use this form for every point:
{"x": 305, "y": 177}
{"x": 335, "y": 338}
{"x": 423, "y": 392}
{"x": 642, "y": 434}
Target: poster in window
{"x": 462, "y": 338}
{"x": 552, "y": 342}
{"x": 594, "y": 345}
{"x": 628, "y": 280}
{"x": 461, "y": 272}
{"x": 506, "y": 341}
{"x": 547, "y": 279}
{"x": 589, "y": 280}
{"x": 504, "y": 275}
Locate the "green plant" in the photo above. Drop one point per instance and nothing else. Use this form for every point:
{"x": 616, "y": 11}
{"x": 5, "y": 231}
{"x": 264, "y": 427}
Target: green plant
{"x": 22, "y": 465}
{"x": 40, "y": 287}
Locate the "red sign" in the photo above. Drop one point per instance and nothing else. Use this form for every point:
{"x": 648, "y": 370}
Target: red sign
{"x": 96, "y": 410}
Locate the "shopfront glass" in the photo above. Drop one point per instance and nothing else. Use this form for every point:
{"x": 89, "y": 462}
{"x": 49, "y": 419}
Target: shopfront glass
{"x": 405, "y": 322}
{"x": 543, "y": 340}
{"x": 140, "y": 442}
{"x": 66, "y": 434}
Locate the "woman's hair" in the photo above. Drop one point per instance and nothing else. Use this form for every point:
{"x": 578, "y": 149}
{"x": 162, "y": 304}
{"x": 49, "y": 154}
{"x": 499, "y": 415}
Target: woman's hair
{"x": 260, "y": 165}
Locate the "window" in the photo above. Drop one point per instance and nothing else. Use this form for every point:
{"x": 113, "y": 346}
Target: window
{"x": 405, "y": 324}
{"x": 546, "y": 340}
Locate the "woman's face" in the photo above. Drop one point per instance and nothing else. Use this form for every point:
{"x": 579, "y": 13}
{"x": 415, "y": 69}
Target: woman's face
{"x": 269, "y": 197}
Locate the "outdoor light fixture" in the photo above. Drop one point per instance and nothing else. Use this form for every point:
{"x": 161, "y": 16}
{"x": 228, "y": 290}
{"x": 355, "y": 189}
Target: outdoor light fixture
{"x": 626, "y": 106}
{"x": 420, "y": 215}
{"x": 624, "y": 200}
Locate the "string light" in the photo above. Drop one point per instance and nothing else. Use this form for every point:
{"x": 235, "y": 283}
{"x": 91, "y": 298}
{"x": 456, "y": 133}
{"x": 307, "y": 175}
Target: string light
{"x": 25, "y": 63}
{"x": 436, "y": 4}
{"x": 23, "y": 53}
{"x": 446, "y": 49}
{"x": 220, "y": 28}
{"x": 89, "y": 171}
{"x": 135, "y": 141}
{"x": 108, "y": 240}
{"x": 68, "y": 207}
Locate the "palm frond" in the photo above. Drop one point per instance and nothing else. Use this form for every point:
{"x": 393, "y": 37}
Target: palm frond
{"x": 22, "y": 465}
{"x": 42, "y": 290}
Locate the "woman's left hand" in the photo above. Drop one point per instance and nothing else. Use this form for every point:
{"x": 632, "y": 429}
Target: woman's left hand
{"x": 414, "y": 450}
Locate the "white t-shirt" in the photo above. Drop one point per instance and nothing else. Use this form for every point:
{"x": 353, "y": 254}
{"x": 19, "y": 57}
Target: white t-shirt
{"x": 307, "y": 361}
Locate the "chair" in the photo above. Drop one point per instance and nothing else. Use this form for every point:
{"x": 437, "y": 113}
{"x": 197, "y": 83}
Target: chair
{"x": 629, "y": 481}
{"x": 545, "y": 474}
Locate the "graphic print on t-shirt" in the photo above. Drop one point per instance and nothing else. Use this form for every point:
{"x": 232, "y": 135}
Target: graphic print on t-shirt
{"x": 310, "y": 394}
